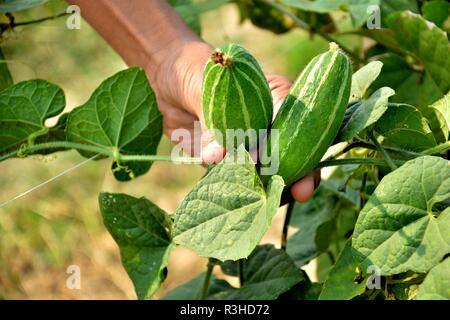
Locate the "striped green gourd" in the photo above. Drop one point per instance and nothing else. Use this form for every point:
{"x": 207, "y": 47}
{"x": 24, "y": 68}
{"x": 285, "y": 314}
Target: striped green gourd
{"x": 236, "y": 94}
{"x": 311, "y": 114}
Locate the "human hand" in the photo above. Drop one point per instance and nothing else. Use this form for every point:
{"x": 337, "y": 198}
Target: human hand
{"x": 178, "y": 84}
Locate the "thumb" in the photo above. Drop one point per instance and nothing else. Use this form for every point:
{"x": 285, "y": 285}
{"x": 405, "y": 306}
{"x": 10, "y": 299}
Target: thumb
{"x": 212, "y": 151}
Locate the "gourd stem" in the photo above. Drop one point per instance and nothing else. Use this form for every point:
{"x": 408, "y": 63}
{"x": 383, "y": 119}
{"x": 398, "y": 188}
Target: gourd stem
{"x": 362, "y": 161}
{"x": 287, "y": 220}
{"x": 383, "y": 152}
{"x": 363, "y": 144}
{"x": 303, "y": 25}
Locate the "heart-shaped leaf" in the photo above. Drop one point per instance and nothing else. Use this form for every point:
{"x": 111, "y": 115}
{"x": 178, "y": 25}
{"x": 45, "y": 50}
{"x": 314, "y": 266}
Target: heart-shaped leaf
{"x": 228, "y": 212}
{"x": 400, "y": 229}
{"x": 142, "y": 232}
{"x": 120, "y": 116}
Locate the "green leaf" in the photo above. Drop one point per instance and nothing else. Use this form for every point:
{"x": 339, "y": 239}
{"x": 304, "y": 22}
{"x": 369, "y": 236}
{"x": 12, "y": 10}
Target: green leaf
{"x": 17, "y": 5}
{"x": 342, "y": 283}
{"x": 400, "y": 229}
{"x": 365, "y": 113}
{"x": 142, "y": 232}
{"x": 404, "y": 126}
{"x": 442, "y": 112}
{"x": 24, "y": 108}
{"x": 426, "y": 42}
{"x": 6, "y": 79}
{"x": 363, "y": 78}
{"x": 268, "y": 272}
{"x": 121, "y": 115}
{"x": 436, "y": 285}
{"x": 436, "y": 12}
{"x": 357, "y": 8}
{"x": 227, "y": 213}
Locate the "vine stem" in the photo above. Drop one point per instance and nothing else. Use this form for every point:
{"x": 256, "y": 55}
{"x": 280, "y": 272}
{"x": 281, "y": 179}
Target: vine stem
{"x": 366, "y": 145}
{"x": 207, "y": 280}
{"x": 150, "y": 158}
{"x": 363, "y": 161}
{"x": 287, "y": 219}
{"x": 12, "y": 24}
{"x": 303, "y": 25}
{"x": 388, "y": 159}
{"x": 56, "y": 145}
{"x": 437, "y": 149}
{"x": 99, "y": 150}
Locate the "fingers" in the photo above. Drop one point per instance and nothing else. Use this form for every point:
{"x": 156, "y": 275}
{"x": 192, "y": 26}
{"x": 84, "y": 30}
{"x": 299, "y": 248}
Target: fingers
{"x": 303, "y": 189}
{"x": 279, "y": 86}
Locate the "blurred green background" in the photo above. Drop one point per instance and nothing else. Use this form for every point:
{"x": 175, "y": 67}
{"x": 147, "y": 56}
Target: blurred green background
{"x": 59, "y": 224}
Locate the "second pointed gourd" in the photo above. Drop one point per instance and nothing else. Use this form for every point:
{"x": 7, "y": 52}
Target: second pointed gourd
{"x": 311, "y": 114}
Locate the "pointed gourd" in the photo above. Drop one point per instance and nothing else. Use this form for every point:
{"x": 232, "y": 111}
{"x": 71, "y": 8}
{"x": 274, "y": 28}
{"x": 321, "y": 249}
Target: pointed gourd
{"x": 311, "y": 114}
{"x": 236, "y": 96}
